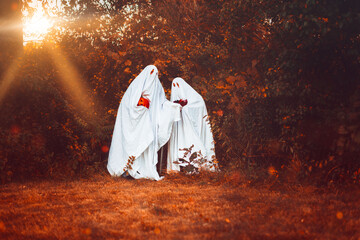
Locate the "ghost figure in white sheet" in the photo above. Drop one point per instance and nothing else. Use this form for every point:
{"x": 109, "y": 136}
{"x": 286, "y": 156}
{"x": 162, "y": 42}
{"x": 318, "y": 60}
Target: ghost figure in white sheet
{"x": 143, "y": 125}
{"x": 191, "y": 144}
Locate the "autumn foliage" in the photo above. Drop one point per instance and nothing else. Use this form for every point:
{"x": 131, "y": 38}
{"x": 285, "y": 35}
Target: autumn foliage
{"x": 280, "y": 79}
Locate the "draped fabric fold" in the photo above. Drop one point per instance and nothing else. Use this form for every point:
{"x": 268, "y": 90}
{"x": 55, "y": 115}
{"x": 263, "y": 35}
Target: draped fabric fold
{"x": 139, "y": 132}
{"x": 191, "y": 142}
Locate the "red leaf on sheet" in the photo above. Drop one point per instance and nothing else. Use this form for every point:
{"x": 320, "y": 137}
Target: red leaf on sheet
{"x": 144, "y": 102}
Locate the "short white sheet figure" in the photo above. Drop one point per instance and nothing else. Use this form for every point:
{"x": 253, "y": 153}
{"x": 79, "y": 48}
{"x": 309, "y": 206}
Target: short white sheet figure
{"x": 143, "y": 125}
{"x": 191, "y": 144}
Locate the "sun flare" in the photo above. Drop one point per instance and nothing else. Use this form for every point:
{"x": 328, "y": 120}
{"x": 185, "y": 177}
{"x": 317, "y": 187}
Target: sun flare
{"x": 38, "y": 24}
{"x": 36, "y": 27}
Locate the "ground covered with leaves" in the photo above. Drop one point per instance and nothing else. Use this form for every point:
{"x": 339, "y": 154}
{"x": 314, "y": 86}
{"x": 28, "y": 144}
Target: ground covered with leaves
{"x": 178, "y": 207}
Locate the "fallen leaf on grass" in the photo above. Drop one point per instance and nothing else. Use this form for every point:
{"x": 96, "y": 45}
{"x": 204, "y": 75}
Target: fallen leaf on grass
{"x": 157, "y": 230}
{"x": 86, "y": 231}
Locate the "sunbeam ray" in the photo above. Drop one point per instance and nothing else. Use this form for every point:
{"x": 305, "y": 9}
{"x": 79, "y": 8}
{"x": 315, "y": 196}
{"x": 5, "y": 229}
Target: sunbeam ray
{"x": 74, "y": 86}
{"x": 6, "y": 26}
{"x": 9, "y": 76}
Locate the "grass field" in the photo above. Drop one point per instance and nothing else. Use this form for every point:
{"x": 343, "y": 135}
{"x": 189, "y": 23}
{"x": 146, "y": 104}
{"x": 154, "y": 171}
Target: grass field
{"x": 178, "y": 207}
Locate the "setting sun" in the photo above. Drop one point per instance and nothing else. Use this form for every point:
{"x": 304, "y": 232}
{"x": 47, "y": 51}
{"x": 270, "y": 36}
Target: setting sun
{"x": 37, "y": 27}
{"x": 39, "y": 23}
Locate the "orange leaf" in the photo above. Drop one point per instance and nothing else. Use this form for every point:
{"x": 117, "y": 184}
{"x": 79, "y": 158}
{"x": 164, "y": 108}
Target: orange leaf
{"x": 157, "y": 230}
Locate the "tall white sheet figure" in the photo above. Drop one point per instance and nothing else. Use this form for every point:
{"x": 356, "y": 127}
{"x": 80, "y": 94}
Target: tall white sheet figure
{"x": 142, "y": 127}
{"x": 191, "y": 144}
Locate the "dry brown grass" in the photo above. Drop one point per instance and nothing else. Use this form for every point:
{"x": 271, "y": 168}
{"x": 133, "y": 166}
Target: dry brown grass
{"x": 178, "y": 207}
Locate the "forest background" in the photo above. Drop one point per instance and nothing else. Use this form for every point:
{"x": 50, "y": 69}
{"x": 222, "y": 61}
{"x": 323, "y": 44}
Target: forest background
{"x": 280, "y": 80}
